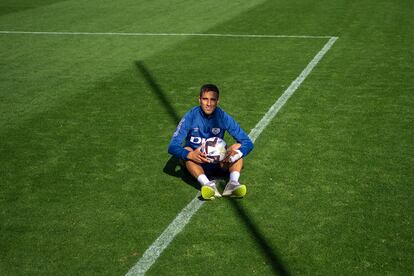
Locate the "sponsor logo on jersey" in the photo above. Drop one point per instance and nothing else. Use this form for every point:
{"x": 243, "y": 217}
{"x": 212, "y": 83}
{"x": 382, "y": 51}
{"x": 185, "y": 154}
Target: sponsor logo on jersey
{"x": 195, "y": 129}
{"x": 215, "y": 130}
{"x": 197, "y": 140}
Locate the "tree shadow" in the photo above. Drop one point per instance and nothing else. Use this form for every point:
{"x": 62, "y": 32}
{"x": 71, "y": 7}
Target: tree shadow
{"x": 173, "y": 168}
{"x": 268, "y": 252}
{"x": 155, "y": 87}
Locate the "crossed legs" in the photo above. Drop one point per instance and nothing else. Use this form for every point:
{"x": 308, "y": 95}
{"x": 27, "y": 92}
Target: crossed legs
{"x": 196, "y": 169}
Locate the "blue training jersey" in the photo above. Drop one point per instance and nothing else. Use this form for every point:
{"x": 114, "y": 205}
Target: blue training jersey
{"x": 196, "y": 126}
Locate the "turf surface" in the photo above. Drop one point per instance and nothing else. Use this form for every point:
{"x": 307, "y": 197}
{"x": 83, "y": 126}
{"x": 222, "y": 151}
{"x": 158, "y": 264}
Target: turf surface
{"x": 86, "y": 185}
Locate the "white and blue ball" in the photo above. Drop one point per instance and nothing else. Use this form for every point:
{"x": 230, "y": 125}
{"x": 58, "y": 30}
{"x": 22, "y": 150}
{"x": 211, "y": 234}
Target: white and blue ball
{"x": 215, "y": 148}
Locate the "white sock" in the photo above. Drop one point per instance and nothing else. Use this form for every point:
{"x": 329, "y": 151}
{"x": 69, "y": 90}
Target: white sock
{"x": 234, "y": 176}
{"x": 202, "y": 178}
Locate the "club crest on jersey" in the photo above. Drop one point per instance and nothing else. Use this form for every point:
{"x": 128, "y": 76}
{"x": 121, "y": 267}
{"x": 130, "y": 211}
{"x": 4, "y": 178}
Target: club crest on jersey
{"x": 215, "y": 130}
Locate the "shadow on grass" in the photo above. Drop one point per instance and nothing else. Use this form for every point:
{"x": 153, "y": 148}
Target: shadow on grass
{"x": 268, "y": 252}
{"x": 173, "y": 168}
{"x": 157, "y": 91}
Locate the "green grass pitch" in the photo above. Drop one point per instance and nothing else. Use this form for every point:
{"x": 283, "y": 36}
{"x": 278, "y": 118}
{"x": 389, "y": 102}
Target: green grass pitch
{"x": 85, "y": 180}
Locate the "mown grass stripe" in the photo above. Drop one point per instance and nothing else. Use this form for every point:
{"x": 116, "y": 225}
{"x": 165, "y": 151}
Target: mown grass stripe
{"x": 165, "y": 34}
{"x": 177, "y": 225}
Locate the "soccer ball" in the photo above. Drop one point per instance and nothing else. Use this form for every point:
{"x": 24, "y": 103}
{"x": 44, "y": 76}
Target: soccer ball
{"x": 215, "y": 149}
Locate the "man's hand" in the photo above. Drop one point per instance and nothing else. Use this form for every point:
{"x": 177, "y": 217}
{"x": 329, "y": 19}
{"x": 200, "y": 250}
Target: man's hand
{"x": 198, "y": 156}
{"x": 232, "y": 156}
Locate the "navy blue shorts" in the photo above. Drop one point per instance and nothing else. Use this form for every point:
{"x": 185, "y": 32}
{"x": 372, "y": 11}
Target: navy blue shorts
{"x": 211, "y": 169}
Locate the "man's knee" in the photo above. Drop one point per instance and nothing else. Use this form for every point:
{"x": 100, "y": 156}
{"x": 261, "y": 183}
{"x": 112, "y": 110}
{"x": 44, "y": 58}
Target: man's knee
{"x": 192, "y": 167}
{"x": 237, "y": 165}
{"x": 183, "y": 162}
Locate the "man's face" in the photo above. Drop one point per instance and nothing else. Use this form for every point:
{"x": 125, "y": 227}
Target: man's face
{"x": 208, "y": 102}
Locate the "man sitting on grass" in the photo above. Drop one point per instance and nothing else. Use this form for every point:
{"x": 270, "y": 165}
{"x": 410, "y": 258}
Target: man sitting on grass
{"x": 200, "y": 123}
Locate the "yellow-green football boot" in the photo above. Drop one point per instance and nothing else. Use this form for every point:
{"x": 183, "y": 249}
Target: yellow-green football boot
{"x": 209, "y": 191}
{"x": 234, "y": 189}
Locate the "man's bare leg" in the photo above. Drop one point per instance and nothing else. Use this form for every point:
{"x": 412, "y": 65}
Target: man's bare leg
{"x": 208, "y": 188}
{"x": 238, "y": 165}
{"x": 233, "y": 187}
{"x": 193, "y": 168}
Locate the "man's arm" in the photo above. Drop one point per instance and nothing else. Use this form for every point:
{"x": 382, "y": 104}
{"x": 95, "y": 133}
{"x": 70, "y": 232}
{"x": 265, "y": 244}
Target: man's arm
{"x": 238, "y": 134}
{"x": 175, "y": 147}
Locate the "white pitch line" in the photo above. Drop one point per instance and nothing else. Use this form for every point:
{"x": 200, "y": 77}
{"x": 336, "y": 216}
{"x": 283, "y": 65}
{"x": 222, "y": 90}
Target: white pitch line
{"x": 177, "y": 225}
{"x": 274, "y": 109}
{"x": 163, "y": 34}
{"x": 162, "y": 242}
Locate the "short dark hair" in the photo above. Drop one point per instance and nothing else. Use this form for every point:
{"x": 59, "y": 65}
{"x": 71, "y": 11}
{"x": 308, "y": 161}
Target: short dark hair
{"x": 209, "y": 87}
